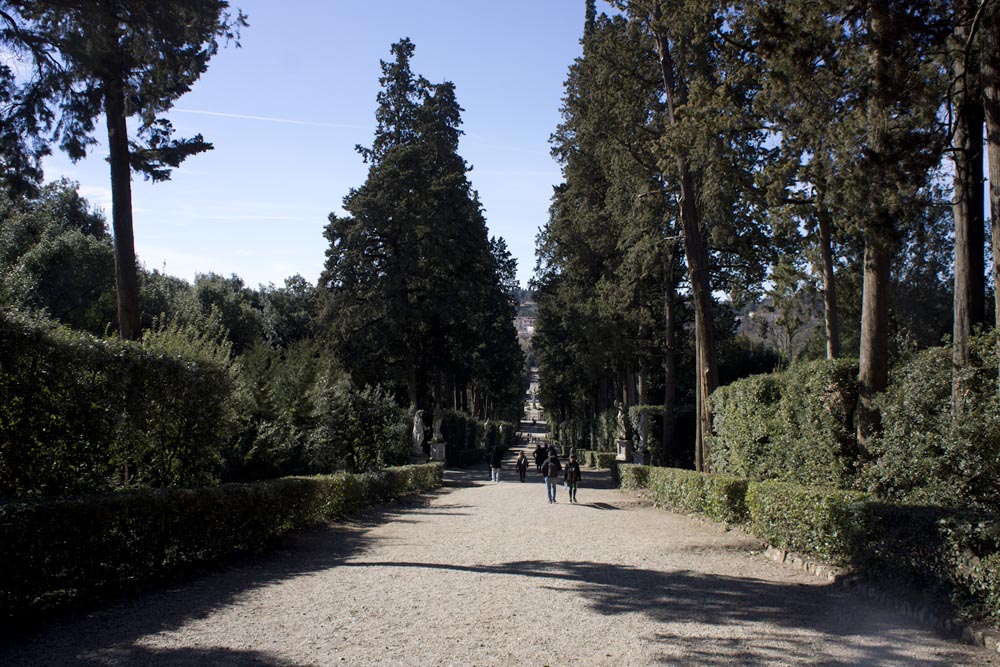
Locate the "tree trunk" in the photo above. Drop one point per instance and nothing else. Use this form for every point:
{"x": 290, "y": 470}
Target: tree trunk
{"x": 967, "y": 207}
{"x": 873, "y": 372}
{"x": 126, "y": 273}
{"x": 697, "y": 259}
{"x": 829, "y": 286}
{"x": 991, "y": 103}
{"x": 643, "y": 397}
{"x": 873, "y": 366}
{"x": 670, "y": 455}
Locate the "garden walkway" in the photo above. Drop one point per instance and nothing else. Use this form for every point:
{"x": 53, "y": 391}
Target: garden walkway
{"x": 491, "y": 574}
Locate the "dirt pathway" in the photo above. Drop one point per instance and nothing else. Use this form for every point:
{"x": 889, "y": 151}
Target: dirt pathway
{"x": 491, "y": 574}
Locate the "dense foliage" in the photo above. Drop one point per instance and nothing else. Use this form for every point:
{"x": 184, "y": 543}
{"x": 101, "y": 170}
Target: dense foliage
{"x": 416, "y": 296}
{"x": 796, "y": 425}
{"x": 82, "y": 414}
{"x": 771, "y": 169}
{"x": 230, "y": 382}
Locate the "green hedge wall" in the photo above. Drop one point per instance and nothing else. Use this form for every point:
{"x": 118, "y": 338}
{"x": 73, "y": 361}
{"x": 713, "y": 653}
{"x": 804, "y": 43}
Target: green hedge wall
{"x": 949, "y": 554}
{"x": 795, "y": 426}
{"x": 58, "y": 552}
{"x": 76, "y": 409}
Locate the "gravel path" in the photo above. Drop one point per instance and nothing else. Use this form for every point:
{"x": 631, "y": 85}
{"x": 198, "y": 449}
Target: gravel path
{"x": 492, "y": 574}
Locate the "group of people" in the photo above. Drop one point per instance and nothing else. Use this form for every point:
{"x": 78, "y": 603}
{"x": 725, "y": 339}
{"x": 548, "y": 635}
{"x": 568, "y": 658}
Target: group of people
{"x": 548, "y": 465}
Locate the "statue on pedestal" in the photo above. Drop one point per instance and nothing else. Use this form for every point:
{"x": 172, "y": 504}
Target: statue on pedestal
{"x": 438, "y": 418}
{"x": 418, "y": 433}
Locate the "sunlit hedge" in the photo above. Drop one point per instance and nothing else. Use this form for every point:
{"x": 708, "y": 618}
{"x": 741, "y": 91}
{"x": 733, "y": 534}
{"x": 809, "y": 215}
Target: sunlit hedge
{"x": 58, "y": 552}
{"x": 796, "y": 426}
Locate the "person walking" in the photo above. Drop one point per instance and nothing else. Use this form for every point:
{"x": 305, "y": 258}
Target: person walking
{"x": 550, "y": 471}
{"x": 540, "y": 455}
{"x": 522, "y": 465}
{"x": 571, "y": 476}
{"x": 496, "y": 456}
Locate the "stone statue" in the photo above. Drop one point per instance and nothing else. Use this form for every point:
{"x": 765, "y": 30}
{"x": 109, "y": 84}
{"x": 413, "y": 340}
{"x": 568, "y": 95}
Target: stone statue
{"x": 620, "y": 433}
{"x": 438, "y": 418}
{"x": 418, "y": 433}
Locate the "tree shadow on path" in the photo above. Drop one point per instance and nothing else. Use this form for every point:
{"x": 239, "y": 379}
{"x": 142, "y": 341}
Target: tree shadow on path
{"x": 801, "y": 615}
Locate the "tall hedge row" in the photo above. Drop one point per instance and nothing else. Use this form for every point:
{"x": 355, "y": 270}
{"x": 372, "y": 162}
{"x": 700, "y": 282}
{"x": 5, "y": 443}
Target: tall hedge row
{"x": 56, "y": 552}
{"x": 77, "y": 410}
{"x": 796, "y": 425}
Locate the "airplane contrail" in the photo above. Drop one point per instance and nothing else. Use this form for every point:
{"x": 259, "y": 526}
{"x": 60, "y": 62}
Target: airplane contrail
{"x": 270, "y": 119}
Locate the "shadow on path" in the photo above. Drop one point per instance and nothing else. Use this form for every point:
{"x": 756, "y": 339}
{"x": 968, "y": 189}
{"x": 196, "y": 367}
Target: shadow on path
{"x": 139, "y": 656}
{"x": 797, "y": 616}
{"x": 802, "y": 613}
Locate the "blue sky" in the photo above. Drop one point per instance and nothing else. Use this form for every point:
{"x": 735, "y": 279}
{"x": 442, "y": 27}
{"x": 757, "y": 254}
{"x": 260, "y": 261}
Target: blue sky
{"x": 286, "y": 109}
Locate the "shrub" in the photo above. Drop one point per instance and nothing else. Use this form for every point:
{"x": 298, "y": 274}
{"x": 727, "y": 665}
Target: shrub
{"x": 725, "y": 499}
{"x": 464, "y": 457}
{"x": 356, "y": 429}
{"x": 820, "y": 521}
{"x": 928, "y": 455}
{"x": 795, "y": 426}
{"x": 78, "y": 412}
{"x": 633, "y": 477}
{"x": 604, "y": 459}
{"x": 949, "y": 554}
{"x": 60, "y": 551}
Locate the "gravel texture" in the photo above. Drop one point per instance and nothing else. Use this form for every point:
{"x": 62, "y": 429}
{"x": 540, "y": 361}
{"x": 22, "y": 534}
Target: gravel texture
{"x": 492, "y": 574}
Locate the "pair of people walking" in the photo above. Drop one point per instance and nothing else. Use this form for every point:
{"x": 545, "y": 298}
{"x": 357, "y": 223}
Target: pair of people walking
{"x": 551, "y": 470}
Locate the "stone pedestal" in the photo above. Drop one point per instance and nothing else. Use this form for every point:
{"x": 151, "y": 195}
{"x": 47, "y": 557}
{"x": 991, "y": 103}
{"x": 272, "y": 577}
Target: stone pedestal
{"x": 622, "y": 454}
{"x": 639, "y": 458}
{"x": 438, "y": 450}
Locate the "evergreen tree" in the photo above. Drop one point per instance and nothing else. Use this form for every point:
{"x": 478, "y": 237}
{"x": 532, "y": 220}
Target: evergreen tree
{"x": 410, "y": 281}
{"x": 122, "y": 60}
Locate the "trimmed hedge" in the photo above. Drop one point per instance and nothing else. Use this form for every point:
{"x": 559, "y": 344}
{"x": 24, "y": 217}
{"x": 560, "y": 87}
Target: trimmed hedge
{"x": 59, "y": 552}
{"x": 74, "y": 409}
{"x": 794, "y": 426}
{"x": 949, "y": 554}
{"x": 827, "y": 523}
{"x": 604, "y": 459}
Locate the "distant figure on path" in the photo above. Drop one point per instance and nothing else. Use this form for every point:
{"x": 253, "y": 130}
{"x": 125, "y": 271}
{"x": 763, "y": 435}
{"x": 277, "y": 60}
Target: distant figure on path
{"x": 550, "y": 471}
{"x": 540, "y": 455}
{"x": 572, "y": 477}
{"x": 496, "y": 455}
{"x": 521, "y": 465}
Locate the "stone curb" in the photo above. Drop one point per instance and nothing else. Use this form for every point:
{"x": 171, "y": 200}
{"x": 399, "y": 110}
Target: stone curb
{"x": 986, "y": 637}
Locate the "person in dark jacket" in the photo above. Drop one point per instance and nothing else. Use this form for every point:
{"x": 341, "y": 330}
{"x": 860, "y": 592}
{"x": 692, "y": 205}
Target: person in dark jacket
{"x": 572, "y": 475}
{"x": 522, "y": 465}
{"x": 540, "y": 455}
{"x": 550, "y": 471}
{"x": 496, "y": 455}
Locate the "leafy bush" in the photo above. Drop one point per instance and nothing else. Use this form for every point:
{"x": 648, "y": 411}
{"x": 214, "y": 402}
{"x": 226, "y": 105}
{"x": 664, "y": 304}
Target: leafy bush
{"x": 464, "y": 457}
{"x": 928, "y": 454}
{"x": 604, "y": 459}
{"x": 58, "y": 552}
{"x": 679, "y": 489}
{"x": 80, "y": 414}
{"x": 821, "y": 521}
{"x": 633, "y": 477}
{"x": 356, "y": 429}
{"x": 948, "y": 554}
{"x": 795, "y": 426}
